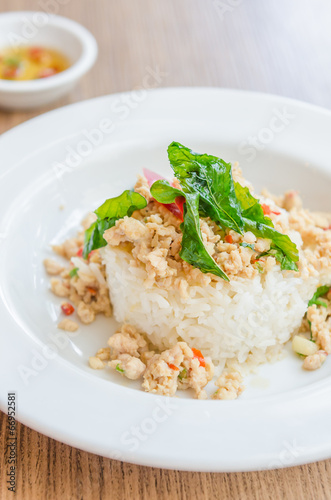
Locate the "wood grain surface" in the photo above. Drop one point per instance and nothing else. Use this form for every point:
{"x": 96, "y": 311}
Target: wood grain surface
{"x": 281, "y": 47}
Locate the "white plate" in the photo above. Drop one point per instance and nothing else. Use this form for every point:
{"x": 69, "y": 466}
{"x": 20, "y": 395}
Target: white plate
{"x": 283, "y": 417}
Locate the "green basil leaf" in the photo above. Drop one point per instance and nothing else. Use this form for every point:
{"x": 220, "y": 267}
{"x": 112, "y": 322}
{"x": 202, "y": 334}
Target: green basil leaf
{"x": 211, "y": 177}
{"x": 164, "y": 193}
{"x": 250, "y": 206}
{"x": 94, "y": 235}
{"x": 281, "y": 241}
{"x": 73, "y": 272}
{"x": 124, "y": 204}
{"x": 193, "y": 250}
{"x": 285, "y": 263}
{"x": 108, "y": 213}
{"x": 288, "y": 264}
{"x": 322, "y": 290}
{"x": 261, "y": 226}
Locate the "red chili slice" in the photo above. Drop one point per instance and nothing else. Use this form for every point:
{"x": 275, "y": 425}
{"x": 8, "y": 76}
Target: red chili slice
{"x": 80, "y": 252}
{"x": 267, "y": 210}
{"x": 67, "y": 308}
{"x": 228, "y": 238}
{"x": 180, "y": 204}
{"x": 197, "y": 354}
{"x": 176, "y": 208}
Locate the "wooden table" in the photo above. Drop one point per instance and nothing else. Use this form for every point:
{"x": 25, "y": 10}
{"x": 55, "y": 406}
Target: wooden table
{"x": 280, "y": 47}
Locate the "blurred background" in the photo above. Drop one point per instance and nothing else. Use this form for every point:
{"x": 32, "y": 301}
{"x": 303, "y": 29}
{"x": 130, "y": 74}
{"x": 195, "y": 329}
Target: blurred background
{"x": 281, "y": 47}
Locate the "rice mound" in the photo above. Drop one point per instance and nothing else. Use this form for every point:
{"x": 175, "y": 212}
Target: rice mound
{"x": 241, "y": 320}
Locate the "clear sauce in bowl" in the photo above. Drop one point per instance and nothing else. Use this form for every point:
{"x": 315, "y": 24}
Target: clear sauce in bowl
{"x": 31, "y": 63}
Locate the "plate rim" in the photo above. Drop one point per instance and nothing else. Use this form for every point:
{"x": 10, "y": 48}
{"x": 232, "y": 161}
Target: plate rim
{"x": 25, "y": 416}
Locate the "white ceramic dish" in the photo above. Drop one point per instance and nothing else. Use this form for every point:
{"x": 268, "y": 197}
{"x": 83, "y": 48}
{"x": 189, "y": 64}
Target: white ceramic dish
{"x": 74, "y": 157}
{"x": 40, "y": 28}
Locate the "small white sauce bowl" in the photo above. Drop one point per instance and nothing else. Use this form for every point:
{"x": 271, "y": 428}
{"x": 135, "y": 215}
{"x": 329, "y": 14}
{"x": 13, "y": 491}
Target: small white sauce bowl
{"x": 46, "y": 30}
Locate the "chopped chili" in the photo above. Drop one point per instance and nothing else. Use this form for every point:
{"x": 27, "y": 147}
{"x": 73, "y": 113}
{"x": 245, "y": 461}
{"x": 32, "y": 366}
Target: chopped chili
{"x": 180, "y": 204}
{"x": 267, "y": 210}
{"x": 197, "y": 354}
{"x": 67, "y": 308}
{"x": 173, "y": 367}
{"x": 228, "y": 238}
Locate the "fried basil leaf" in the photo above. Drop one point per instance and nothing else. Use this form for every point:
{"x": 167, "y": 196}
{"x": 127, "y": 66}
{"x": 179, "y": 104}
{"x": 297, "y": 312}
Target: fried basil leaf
{"x": 211, "y": 177}
{"x": 285, "y": 263}
{"x": 262, "y": 227}
{"x": 108, "y": 213}
{"x": 279, "y": 240}
{"x": 322, "y": 290}
{"x": 226, "y": 202}
{"x": 250, "y": 206}
{"x": 193, "y": 249}
{"x": 164, "y": 193}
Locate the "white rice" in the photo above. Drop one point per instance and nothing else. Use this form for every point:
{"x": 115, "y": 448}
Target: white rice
{"x": 240, "y": 320}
